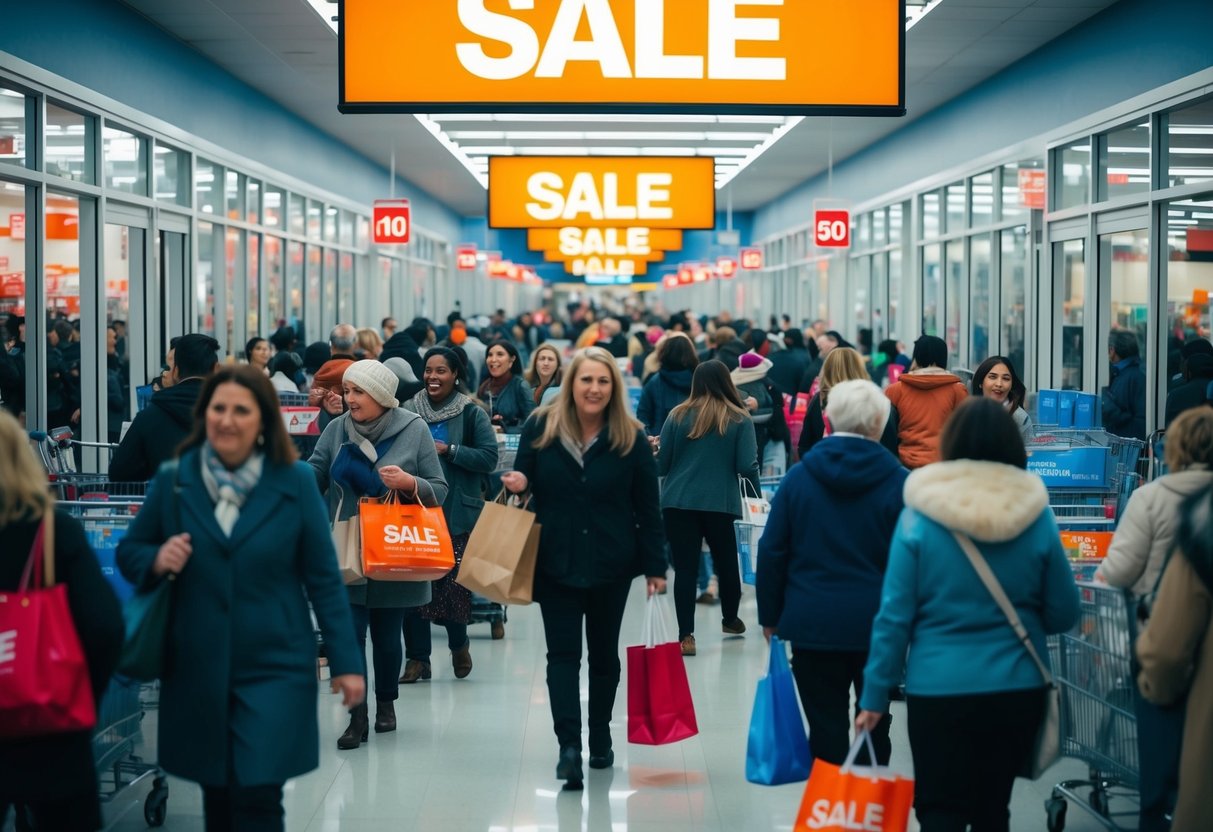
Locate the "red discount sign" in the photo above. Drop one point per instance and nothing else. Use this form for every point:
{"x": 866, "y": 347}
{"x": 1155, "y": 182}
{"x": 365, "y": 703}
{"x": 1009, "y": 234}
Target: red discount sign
{"x": 392, "y": 221}
{"x": 832, "y": 229}
{"x": 726, "y": 267}
{"x": 465, "y": 258}
{"x": 751, "y": 258}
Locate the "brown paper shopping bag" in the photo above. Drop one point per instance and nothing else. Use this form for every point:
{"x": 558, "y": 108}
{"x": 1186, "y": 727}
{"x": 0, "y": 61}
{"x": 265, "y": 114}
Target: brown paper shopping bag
{"x": 499, "y": 561}
{"x": 347, "y": 540}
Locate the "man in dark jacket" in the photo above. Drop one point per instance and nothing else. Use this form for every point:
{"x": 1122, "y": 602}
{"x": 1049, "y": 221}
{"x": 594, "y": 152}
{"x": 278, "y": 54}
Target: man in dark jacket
{"x": 163, "y": 425}
{"x": 1124, "y": 399}
{"x": 788, "y": 365}
{"x": 1194, "y": 392}
{"x": 822, "y": 558}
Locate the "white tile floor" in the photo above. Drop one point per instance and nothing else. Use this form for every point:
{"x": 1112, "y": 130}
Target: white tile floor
{"x": 479, "y": 755}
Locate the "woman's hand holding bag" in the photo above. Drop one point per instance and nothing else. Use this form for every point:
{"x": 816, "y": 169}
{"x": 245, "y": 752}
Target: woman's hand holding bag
{"x": 403, "y": 541}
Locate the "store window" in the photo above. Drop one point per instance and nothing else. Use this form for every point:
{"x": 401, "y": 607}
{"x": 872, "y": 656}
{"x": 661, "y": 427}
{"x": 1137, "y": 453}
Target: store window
{"x": 207, "y": 187}
{"x": 895, "y": 278}
{"x": 1013, "y": 271}
{"x": 315, "y": 322}
{"x": 1124, "y": 161}
{"x": 862, "y": 231}
{"x": 69, "y": 144}
{"x": 982, "y": 209}
{"x": 124, "y": 157}
{"x": 896, "y": 219}
{"x": 275, "y": 207}
{"x": 880, "y": 232}
{"x": 1190, "y": 144}
{"x": 931, "y": 294}
{"x": 233, "y": 194}
{"x": 275, "y": 297}
{"x": 233, "y": 260}
{"x": 1189, "y": 267}
{"x": 956, "y": 211}
{"x": 123, "y": 266}
{"x": 12, "y": 251}
{"x": 1124, "y": 259}
{"x": 314, "y": 213}
{"x": 979, "y": 294}
{"x": 930, "y": 215}
{"x": 295, "y": 293}
{"x": 13, "y": 107}
{"x": 62, "y": 275}
{"x": 296, "y": 214}
{"x": 1073, "y": 175}
{"x": 253, "y": 293}
{"x": 362, "y": 239}
{"x": 170, "y": 170}
{"x": 1070, "y": 259}
{"x": 345, "y": 288}
{"x": 954, "y": 299}
{"x": 347, "y": 228}
{"x": 329, "y": 307}
{"x": 252, "y": 202}
{"x": 1023, "y": 189}
{"x": 331, "y": 230}
{"x": 204, "y": 281}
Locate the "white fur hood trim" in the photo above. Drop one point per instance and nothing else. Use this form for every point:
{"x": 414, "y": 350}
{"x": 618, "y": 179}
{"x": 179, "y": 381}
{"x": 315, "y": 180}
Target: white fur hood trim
{"x": 988, "y": 501}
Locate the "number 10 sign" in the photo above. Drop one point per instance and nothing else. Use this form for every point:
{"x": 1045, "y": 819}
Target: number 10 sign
{"x": 392, "y": 221}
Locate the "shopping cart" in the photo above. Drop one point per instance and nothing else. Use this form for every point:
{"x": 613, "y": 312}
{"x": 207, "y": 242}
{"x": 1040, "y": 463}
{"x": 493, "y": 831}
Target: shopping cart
{"x": 1092, "y": 666}
{"x": 1089, "y": 474}
{"x": 106, "y": 509}
{"x": 302, "y": 421}
{"x": 748, "y": 535}
{"x": 60, "y": 454}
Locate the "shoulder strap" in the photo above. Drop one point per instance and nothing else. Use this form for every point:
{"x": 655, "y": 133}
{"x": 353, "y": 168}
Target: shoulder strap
{"x": 1004, "y": 603}
{"x": 40, "y": 565}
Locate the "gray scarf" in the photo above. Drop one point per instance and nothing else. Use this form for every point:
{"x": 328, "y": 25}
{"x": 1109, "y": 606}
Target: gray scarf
{"x": 452, "y": 407}
{"x": 366, "y": 435}
{"x": 229, "y": 490}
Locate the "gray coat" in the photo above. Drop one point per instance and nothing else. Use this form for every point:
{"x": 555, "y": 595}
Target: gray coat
{"x": 238, "y": 696}
{"x": 466, "y": 466}
{"x": 701, "y": 474}
{"x": 412, "y": 450}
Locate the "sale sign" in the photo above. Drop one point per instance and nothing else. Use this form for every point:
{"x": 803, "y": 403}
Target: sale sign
{"x": 391, "y": 221}
{"x": 832, "y": 229}
{"x": 16, "y": 226}
{"x": 608, "y": 240}
{"x": 465, "y": 258}
{"x": 751, "y": 258}
{"x": 726, "y": 267}
{"x": 595, "y": 56}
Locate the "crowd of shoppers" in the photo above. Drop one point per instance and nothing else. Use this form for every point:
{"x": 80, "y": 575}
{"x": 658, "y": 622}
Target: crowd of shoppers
{"x": 864, "y": 567}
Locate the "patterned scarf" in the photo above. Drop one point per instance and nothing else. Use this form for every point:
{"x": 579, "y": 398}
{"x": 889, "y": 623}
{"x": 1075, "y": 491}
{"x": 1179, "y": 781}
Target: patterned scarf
{"x": 229, "y": 489}
{"x": 452, "y": 407}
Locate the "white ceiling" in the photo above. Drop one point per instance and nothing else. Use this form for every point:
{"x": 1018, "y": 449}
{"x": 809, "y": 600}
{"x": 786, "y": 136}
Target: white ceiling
{"x": 287, "y": 51}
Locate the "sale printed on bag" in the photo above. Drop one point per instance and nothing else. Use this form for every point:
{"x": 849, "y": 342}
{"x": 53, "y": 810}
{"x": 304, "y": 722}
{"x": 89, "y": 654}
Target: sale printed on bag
{"x": 404, "y": 541}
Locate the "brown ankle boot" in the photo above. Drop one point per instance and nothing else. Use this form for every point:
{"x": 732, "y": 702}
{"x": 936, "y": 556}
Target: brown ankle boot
{"x": 414, "y": 671}
{"x": 356, "y": 733}
{"x": 385, "y": 716}
{"x": 461, "y": 661}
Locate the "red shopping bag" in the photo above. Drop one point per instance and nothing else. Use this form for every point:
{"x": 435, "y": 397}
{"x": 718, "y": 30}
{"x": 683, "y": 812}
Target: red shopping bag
{"x": 849, "y": 797}
{"x": 660, "y": 710}
{"x": 44, "y": 684}
{"x": 404, "y": 541}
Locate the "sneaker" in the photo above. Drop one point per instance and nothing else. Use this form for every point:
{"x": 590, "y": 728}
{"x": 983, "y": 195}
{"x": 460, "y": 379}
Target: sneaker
{"x": 733, "y": 628}
{"x": 688, "y": 646}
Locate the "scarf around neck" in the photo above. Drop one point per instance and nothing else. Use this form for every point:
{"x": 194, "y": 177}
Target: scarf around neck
{"x": 449, "y": 409}
{"x": 229, "y": 489}
{"x": 366, "y": 435}
{"x": 496, "y": 386}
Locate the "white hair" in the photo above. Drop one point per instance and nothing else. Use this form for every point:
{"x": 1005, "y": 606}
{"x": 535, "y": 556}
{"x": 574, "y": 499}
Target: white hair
{"x": 858, "y": 407}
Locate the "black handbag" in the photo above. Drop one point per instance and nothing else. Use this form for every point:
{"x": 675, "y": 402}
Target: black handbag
{"x": 147, "y": 616}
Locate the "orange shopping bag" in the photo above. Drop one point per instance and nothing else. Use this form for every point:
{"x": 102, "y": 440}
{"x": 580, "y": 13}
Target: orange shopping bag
{"x": 854, "y": 798}
{"x": 403, "y": 541}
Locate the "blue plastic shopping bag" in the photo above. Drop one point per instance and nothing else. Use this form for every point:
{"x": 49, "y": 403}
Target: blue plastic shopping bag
{"x": 778, "y": 750}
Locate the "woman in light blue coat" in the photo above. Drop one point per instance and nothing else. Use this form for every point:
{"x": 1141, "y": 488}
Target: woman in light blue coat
{"x": 975, "y": 697}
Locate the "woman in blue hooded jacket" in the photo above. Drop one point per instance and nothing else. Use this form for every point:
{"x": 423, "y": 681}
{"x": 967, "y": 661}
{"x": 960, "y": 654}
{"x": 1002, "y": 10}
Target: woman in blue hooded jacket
{"x": 975, "y": 697}
{"x": 670, "y": 386}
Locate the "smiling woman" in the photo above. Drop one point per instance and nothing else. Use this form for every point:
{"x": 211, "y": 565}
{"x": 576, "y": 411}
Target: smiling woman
{"x": 996, "y": 379}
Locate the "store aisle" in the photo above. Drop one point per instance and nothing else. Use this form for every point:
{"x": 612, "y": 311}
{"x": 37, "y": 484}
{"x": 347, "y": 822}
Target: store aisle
{"x": 479, "y": 754}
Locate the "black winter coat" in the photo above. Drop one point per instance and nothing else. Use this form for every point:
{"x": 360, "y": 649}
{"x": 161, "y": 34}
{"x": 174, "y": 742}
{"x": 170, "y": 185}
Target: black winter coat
{"x": 156, "y": 432}
{"x": 61, "y": 767}
{"x": 664, "y": 391}
{"x": 601, "y": 522}
{"x": 1124, "y": 401}
{"x": 787, "y": 369}
{"x": 1188, "y": 395}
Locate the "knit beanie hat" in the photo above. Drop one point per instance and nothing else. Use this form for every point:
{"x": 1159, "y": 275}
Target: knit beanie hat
{"x": 376, "y": 379}
{"x": 749, "y": 360}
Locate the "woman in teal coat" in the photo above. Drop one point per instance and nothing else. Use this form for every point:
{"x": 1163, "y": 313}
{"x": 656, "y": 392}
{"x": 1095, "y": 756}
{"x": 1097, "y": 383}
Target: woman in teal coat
{"x": 241, "y": 526}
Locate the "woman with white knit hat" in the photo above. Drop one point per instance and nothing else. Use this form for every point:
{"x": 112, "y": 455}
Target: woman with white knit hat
{"x": 373, "y": 447}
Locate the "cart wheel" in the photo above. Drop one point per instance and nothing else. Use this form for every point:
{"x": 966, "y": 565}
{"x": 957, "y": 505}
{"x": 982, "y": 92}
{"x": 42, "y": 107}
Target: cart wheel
{"x": 1055, "y": 808}
{"x": 1099, "y": 801}
{"x": 155, "y": 808}
{"x": 498, "y": 630}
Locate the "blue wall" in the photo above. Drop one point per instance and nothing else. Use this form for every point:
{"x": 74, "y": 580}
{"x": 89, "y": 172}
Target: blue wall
{"x": 1127, "y": 50}
{"x": 108, "y": 48}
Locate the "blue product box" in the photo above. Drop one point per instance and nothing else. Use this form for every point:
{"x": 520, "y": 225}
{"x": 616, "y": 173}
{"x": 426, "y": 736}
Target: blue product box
{"x": 1070, "y": 467}
{"x": 634, "y": 398}
{"x": 104, "y": 537}
{"x": 1086, "y": 411}
{"x": 1066, "y": 400}
{"x": 1046, "y": 407}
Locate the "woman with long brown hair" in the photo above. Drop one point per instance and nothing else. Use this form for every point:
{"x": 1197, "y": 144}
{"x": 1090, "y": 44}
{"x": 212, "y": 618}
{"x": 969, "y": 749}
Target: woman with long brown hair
{"x": 595, "y": 494}
{"x": 706, "y": 444}
{"x": 544, "y": 372}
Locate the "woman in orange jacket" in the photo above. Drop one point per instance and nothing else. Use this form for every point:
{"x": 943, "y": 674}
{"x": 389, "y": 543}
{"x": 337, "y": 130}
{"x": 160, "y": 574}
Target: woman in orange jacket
{"x": 924, "y": 399}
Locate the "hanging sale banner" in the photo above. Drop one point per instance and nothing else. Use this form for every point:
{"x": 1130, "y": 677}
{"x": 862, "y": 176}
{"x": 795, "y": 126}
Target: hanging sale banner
{"x": 620, "y": 242}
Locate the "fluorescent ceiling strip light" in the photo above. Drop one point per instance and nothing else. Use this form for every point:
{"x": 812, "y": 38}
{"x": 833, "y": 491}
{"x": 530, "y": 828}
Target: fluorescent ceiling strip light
{"x": 914, "y": 16}
{"x": 452, "y": 148}
{"x": 748, "y": 160}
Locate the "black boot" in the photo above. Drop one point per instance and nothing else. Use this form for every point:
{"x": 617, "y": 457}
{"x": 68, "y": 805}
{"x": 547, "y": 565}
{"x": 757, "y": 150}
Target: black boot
{"x": 568, "y": 767}
{"x": 356, "y": 733}
{"x": 385, "y": 716}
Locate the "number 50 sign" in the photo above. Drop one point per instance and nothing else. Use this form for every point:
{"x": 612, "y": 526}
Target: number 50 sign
{"x": 832, "y": 229}
{"x": 392, "y": 221}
